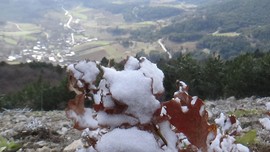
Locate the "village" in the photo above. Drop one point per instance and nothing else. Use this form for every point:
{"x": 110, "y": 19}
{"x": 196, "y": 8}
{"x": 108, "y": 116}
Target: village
{"x": 56, "y": 49}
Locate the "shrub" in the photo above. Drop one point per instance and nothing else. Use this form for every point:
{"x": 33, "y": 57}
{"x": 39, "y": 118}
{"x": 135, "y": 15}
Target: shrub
{"x": 127, "y": 116}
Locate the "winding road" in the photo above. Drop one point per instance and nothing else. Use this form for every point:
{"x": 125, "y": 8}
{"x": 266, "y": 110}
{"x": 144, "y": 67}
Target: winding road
{"x": 164, "y": 48}
{"x": 68, "y": 23}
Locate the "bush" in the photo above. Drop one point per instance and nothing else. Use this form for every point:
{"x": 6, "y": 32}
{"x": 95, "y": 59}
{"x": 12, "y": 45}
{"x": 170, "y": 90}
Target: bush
{"x": 127, "y": 116}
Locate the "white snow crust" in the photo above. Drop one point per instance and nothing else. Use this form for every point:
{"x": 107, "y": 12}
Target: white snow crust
{"x": 114, "y": 120}
{"x": 132, "y": 64}
{"x": 133, "y": 89}
{"x": 86, "y": 120}
{"x": 265, "y": 122}
{"x": 84, "y": 70}
{"x": 151, "y": 70}
{"x": 127, "y": 140}
{"x": 136, "y": 87}
{"x": 268, "y": 106}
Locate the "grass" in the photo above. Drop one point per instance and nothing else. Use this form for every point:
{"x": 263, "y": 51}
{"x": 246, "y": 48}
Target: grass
{"x": 9, "y": 40}
{"x": 247, "y": 139}
{"x": 113, "y": 52}
{"x": 137, "y": 25}
{"x": 242, "y": 112}
{"x": 19, "y": 33}
{"x": 80, "y": 12}
{"x": 101, "y": 43}
{"x": 90, "y": 45}
{"x": 29, "y": 27}
{"x": 229, "y": 34}
{"x": 6, "y": 145}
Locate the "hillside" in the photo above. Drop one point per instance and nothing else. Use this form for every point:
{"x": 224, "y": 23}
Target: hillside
{"x": 15, "y": 77}
{"x": 224, "y": 27}
{"x": 36, "y": 85}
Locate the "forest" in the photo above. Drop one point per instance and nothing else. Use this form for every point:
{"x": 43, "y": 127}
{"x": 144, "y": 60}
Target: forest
{"x": 213, "y": 78}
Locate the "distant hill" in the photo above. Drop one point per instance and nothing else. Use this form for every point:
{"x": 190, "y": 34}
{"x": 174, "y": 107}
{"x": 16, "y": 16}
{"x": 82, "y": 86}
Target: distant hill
{"x": 242, "y": 22}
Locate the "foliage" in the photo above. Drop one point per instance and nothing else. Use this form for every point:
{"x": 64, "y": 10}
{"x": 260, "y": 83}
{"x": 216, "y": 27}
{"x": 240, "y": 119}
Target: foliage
{"x": 248, "y": 18}
{"x": 244, "y": 76}
{"x": 227, "y": 47}
{"x": 183, "y": 37}
{"x": 123, "y": 107}
{"x": 154, "y": 13}
{"x": 6, "y": 145}
{"x": 38, "y": 95}
{"x": 213, "y": 78}
{"x": 248, "y": 138}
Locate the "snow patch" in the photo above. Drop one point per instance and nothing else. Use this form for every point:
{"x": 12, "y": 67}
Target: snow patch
{"x": 132, "y": 64}
{"x": 184, "y": 109}
{"x": 133, "y": 89}
{"x": 265, "y": 122}
{"x": 127, "y": 140}
{"x": 86, "y": 120}
{"x": 151, "y": 70}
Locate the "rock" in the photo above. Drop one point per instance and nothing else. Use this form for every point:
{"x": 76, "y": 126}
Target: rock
{"x": 41, "y": 143}
{"x": 62, "y": 131}
{"x": 73, "y": 146}
{"x": 47, "y": 131}
{"x": 43, "y": 149}
{"x": 55, "y": 133}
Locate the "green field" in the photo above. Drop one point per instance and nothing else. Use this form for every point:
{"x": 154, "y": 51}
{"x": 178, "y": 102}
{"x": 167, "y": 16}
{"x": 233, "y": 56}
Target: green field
{"x": 229, "y": 34}
{"x": 24, "y": 31}
{"x": 80, "y": 12}
{"x": 90, "y": 45}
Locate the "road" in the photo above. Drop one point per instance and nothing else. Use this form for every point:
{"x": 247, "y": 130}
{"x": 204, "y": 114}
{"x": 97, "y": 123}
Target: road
{"x": 164, "y": 48}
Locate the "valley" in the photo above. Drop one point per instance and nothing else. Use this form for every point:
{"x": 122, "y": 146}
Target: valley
{"x": 66, "y": 34}
{"x": 63, "y": 32}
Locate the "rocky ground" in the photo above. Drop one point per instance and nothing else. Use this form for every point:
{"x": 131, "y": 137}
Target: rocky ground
{"x": 38, "y": 130}
{"x": 248, "y": 111}
{"x": 52, "y": 131}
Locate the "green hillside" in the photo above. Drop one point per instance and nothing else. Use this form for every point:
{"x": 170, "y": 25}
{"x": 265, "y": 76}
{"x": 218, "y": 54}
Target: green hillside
{"x": 238, "y": 22}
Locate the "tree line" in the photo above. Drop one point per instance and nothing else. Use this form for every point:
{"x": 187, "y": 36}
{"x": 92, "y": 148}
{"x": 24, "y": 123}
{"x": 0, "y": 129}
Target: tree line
{"x": 212, "y": 78}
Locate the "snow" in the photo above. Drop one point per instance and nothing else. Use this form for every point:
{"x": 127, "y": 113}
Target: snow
{"x": 177, "y": 100}
{"x": 103, "y": 95}
{"x": 182, "y": 86}
{"x": 202, "y": 110}
{"x": 127, "y": 140}
{"x": 184, "y": 109}
{"x": 268, "y": 106}
{"x": 242, "y": 148}
{"x": 223, "y": 122}
{"x": 132, "y": 64}
{"x": 225, "y": 143}
{"x": 169, "y": 135}
{"x": 163, "y": 111}
{"x": 86, "y": 120}
{"x": 265, "y": 122}
{"x": 85, "y": 70}
{"x": 115, "y": 120}
{"x": 133, "y": 89}
{"x": 194, "y": 99}
{"x": 151, "y": 70}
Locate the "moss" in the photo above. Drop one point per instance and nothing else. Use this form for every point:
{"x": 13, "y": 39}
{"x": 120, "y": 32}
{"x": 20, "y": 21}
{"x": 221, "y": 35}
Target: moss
{"x": 247, "y": 139}
{"x": 244, "y": 113}
{"x": 6, "y": 145}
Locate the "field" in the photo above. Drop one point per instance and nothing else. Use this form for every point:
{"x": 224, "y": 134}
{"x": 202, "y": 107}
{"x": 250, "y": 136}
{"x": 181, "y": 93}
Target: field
{"x": 22, "y": 31}
{"x": 96, "y": 24}
{"x": 84, "y": 24}
{"x": 229, "y": 34}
